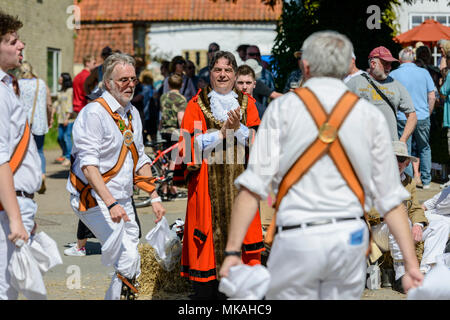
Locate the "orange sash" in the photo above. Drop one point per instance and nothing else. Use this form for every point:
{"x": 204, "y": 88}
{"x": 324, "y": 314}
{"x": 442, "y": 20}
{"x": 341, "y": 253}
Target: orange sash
{"x": 145, "y": 183}
{"x": 20, "y": 151}
{"x": 327, "y": 142}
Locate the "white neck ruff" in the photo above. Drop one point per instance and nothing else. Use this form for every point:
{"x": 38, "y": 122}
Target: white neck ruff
{"x": 221, "y": 104}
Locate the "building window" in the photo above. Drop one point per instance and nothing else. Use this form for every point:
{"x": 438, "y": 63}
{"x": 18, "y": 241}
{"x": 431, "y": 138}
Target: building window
{"x": 417, "y": 19}
{"x": 53, "y": 69}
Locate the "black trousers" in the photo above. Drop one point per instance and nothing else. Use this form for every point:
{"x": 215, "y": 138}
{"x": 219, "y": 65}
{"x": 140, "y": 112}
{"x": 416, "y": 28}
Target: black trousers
{"x": 207, "y": 291}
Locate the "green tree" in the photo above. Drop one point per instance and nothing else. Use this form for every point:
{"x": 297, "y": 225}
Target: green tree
{"x": 301, "y": 18}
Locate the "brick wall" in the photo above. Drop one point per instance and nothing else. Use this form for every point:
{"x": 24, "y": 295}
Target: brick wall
{"x": 44, "y": 26}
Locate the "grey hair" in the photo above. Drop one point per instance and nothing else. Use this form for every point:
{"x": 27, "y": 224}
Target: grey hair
{"x": 224, "y": 54}
{"x": 110, "y": 63}
{"x": 328, "y": 53}
{"x": 406, "y": 54}
{"x": 441, "y": 42}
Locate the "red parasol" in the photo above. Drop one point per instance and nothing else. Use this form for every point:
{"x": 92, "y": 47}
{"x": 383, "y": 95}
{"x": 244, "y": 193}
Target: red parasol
{"x": 430, "y": 31}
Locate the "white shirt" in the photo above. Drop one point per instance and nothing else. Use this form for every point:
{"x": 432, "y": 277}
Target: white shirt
{"x": 440, "y": 203}
{"x": 13, "y": 117}
{"x": 97, "y": 141}
{"x": 288, "y": 129}
{"x": 350, "y": 76}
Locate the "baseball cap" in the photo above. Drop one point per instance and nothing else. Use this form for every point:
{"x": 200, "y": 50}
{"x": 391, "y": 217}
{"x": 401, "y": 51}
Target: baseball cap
{"x": 382, "y": 53}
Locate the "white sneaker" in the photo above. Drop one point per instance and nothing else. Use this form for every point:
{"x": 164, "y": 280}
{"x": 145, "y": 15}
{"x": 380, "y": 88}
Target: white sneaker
{"x": 75, "y": 252}
{"x": 426, "y": 186}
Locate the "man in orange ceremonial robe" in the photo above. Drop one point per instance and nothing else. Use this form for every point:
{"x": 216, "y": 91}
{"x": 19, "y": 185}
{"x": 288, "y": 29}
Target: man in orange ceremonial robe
{"x": 217, "y": 126}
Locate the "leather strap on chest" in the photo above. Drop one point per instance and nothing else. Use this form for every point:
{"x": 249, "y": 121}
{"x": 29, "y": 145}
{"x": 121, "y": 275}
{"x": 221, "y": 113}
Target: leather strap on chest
{"x": 145, "y": 183}
{"x": 327, "y": 143}
{"x": 20, "y": 151}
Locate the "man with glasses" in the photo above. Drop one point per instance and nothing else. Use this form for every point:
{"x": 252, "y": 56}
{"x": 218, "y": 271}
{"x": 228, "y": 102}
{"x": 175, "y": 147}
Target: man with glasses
{"x": 433, "y": 233}
{"x": 388, "y": 94}
{"x": 107, "y": 159}
{"x": 295, "y": 78}
{"x": 203, "y": 74}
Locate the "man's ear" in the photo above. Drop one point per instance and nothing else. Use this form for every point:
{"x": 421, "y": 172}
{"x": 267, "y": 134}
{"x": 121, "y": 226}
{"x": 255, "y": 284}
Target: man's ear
{"x": 106, "y": 85}
{"x": 306, "y": 69}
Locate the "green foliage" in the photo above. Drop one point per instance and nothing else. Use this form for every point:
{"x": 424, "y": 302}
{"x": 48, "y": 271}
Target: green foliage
{"x": 302, "y": 18}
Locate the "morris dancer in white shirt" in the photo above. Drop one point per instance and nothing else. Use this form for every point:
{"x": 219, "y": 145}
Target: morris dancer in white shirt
{"x": 20, "y": 165}
{"x": 437, "y": 210}
{"x": 107, "y": 155}
{"x": 319, "y": 248}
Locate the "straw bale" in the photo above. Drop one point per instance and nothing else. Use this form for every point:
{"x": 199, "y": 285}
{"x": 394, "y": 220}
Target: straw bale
{"x": 157, "y": 283}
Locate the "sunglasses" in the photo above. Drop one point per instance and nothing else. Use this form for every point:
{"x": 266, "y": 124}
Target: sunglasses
{"x": 402, "y": 158}
{"x": 125, "y": 81}
{"x": 253, "y": 54}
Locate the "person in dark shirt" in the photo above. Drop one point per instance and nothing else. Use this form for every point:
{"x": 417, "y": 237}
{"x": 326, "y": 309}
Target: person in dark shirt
{"x": 203, "y": 74}
{"x": 246, "y": 82}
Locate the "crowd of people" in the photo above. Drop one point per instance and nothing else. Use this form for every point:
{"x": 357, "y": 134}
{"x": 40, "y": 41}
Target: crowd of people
{"x": 343, "y": 150}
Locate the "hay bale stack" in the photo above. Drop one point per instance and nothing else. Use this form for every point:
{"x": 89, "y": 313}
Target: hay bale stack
{"x": 156, "y": 283}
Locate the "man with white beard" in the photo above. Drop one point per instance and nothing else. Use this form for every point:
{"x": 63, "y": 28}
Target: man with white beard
{"x": 389, "y": 95}
{"x": 107, "y": 159}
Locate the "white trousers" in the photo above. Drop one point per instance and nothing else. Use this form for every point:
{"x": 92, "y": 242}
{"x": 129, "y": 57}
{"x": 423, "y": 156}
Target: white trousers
{"x": 434, "y": 236}
{"x": 98, "y": 220}
{"x": 319, "y": 262}
{"x": 28, "y": 209}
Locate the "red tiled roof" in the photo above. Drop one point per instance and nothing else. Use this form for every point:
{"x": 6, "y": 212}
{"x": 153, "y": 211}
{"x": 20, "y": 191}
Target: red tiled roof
{"x": 177, "y": 10}
{"x": 92, "y": 38}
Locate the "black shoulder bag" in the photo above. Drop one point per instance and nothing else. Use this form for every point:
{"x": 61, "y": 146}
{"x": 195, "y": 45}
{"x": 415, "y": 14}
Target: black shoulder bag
{"x": 386, "y": 99}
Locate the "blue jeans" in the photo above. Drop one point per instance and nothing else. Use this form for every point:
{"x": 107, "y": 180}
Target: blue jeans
{"x": 65, "y": 139}
{"x": 419, "y": 146}
{"x": 40, "y": 147}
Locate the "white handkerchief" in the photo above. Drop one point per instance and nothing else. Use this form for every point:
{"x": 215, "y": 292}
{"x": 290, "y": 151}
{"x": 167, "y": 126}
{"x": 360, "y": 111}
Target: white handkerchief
{"x": 245, "y": 282}
{"x": 112, "y": 248}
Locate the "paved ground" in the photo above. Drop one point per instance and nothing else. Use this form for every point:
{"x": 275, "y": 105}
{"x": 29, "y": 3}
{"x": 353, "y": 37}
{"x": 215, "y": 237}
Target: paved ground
{"x": 56, "y": 218}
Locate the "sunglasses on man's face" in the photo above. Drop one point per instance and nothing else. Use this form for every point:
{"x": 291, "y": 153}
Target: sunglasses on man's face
{"x": 402, "y": 159}
{"x": 253, "y": 54}
{"x": 125, "y": 81}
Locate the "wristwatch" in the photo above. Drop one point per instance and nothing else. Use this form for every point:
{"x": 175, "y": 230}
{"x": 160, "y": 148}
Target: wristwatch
{"x": 232, "y": 253}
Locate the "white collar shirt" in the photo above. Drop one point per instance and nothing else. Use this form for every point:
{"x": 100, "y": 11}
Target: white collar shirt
{"x": 28, "y": 176}
{"x": 97, "y": 141}
{"x": 440, "y": 203}
{"x": 287, "y": 129}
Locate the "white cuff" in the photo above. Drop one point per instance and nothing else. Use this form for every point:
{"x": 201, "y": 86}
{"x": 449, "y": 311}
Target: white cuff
{"x": 156, "y": 200}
